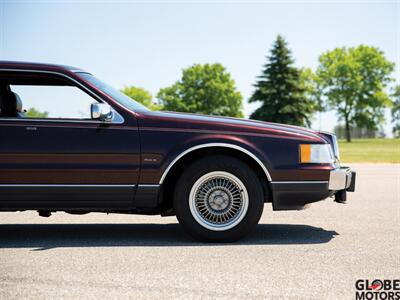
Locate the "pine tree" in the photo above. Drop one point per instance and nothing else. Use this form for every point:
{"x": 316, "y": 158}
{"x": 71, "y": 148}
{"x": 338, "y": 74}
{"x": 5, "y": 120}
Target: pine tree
{"x": 282, "y": 90}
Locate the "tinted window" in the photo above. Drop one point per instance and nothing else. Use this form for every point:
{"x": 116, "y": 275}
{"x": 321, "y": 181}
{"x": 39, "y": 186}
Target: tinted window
{"x": 52, "y": 101}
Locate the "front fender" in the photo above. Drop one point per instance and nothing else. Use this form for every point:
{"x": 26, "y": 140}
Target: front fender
{"x": 161, "y": 150}
{"x": 229, "y": 142}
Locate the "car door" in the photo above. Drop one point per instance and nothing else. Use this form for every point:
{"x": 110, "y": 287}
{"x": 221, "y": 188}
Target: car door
{"x": 56, "y": 157}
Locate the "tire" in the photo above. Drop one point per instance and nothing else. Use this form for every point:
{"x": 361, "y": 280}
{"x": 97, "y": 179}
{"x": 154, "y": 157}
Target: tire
{"x": 218, "y": 199}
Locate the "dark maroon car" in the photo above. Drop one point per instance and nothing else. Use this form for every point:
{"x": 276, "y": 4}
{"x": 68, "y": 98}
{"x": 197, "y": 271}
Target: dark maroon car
{"x": 72, "y": 143}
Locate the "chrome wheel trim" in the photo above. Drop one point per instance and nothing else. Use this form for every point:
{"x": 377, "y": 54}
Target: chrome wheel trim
{"x": 218, "y": 201}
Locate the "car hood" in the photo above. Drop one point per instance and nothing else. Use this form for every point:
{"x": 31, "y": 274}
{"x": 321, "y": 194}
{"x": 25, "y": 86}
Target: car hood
{"x": 211, "y": 123}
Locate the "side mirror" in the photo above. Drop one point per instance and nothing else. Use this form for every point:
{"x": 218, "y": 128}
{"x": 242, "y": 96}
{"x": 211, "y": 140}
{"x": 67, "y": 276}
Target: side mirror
{"x": 101, "y": 111}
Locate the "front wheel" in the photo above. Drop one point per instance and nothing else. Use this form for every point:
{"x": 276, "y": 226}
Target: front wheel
{"x": 218, "y": 199}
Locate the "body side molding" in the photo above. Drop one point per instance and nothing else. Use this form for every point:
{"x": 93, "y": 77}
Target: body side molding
{"x": 56, "y": 185}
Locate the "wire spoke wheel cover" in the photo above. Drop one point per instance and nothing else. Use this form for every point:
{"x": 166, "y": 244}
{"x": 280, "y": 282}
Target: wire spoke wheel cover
{"x": 218, "y": 200}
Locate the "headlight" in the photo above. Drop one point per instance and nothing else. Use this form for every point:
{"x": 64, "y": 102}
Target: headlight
{"x": 316, "y": 153}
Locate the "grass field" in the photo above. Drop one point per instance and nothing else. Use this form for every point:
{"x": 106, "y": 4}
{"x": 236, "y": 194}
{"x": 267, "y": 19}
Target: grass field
{"x": 370, "y": 150}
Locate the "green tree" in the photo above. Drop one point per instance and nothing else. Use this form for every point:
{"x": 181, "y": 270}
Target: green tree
{"x": 142, "y": 96}
{"x": 282, "y": 89}
{"x": 309, "y": 82}
{"x": 353, "y": 80}
{"x": 207, "y": 89}
{"x": 396, "y": 112}
{"x": 34, "y": 113}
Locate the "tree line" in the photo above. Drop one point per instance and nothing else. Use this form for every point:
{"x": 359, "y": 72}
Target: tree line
{"x": 355, "y": 82}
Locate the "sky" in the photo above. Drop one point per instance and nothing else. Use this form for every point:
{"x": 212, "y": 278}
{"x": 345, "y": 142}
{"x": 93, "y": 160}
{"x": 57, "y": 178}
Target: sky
{"x": 148, "y": 43}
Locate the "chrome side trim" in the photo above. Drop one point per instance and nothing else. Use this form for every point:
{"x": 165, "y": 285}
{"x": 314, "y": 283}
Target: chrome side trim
{"x": 295, "y": 181}
{"x": 120, "y": 119}
{"x": 225, "y": 145}
{"x": 67, "y": 185}
{"x": 49, "y": 120}
{"x": 148, "y": 185}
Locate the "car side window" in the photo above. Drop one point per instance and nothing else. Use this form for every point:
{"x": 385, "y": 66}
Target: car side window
{"x": 52, "y": 101}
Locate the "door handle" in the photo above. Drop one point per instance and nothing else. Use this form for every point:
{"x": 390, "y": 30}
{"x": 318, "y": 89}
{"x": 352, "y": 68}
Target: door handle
{"x": 31, "y": 128}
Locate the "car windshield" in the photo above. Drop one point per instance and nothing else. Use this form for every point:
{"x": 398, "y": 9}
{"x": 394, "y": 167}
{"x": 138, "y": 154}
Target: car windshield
{"x": 118, "y": 96}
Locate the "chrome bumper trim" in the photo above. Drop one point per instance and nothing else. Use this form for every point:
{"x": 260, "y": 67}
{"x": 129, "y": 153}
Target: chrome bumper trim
{"x": 340, "y": 179}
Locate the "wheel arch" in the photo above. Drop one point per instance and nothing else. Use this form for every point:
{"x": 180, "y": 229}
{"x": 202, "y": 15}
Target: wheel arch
{"x": 176, "y": 166}
{"x": 215, "y": 145}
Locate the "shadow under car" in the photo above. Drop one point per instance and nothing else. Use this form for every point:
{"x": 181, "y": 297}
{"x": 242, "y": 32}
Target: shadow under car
{"x": 49, "y": 236}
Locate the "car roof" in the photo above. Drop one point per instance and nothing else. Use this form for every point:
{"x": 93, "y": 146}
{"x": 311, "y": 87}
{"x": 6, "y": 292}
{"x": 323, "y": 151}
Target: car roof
{"x": 37, "y": 66}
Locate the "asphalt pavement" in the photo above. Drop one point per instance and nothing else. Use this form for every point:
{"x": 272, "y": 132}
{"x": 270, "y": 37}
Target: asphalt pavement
{"x": 318, "y": 253}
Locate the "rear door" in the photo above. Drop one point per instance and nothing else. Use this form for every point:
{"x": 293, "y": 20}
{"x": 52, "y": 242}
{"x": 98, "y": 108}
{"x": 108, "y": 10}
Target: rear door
{"x": 56, "y": 157}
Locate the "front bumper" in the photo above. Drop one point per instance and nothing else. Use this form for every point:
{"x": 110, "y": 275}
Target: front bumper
{"x": 342, "y": 178}
{"x": 295, "y": 195}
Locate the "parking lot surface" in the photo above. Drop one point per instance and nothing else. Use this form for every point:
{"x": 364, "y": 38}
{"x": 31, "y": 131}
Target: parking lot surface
{"x": 318, "y": 253}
